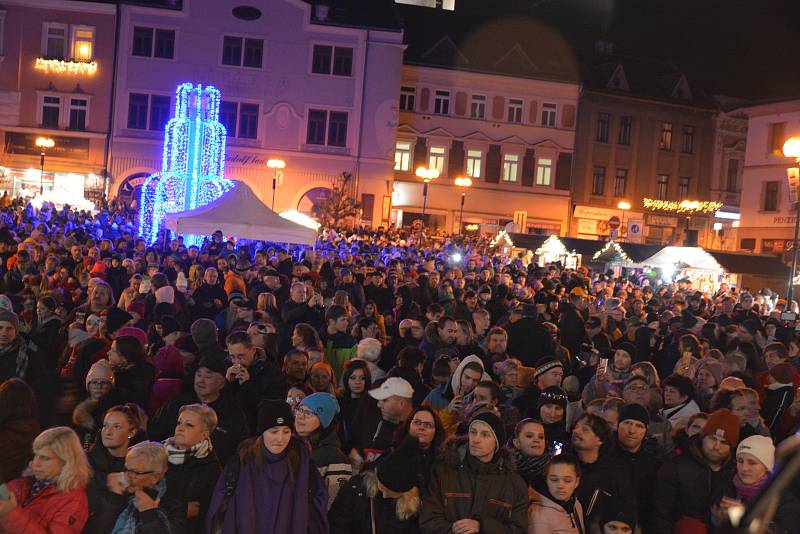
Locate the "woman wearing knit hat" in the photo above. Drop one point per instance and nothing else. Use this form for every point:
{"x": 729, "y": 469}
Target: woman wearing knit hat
{"x": 475, "y": 480}
{"x": 271, "y": 485}
{"x": 755, "y": 459}
{"x": 87, "y": 417}
{"x": 316, "y": 424}
{"x": 384, "y": 499}
{"x": 551, "y": 409}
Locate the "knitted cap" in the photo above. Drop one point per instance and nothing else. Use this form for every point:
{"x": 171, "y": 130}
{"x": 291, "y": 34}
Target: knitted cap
{"x": 545, "y": 364}
{"x": 204, "y": 333}
{"x": 324, "y": 405}
{"x": 494, "y": 423}
{"x": 396, "y": 471}
{"x": 100, "y": 370}
{"x": 7, "y": 316}
{"x": 722, "y": 424}
{"x": 552, "y": 395}
{"x": 619, "y": 509}
{"x": 630, "y": 348}
{"x": 272, "y": 413}
{"x": 165, "y": 294}
{"x": 116, "y": 319}
{"x": 761, "y": 447}
{"x": 636, "y": 412}
{"x": 169, "y": 325}
{"x": 132, "y": 331}
{"x": 714, "y": 367}
{"x": 782, "y": 373}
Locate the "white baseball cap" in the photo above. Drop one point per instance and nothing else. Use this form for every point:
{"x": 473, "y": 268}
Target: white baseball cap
{"x": 394, "y": 386}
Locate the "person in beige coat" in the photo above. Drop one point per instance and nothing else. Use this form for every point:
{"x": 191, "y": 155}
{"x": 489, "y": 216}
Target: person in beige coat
{"x": 553, "y": 507}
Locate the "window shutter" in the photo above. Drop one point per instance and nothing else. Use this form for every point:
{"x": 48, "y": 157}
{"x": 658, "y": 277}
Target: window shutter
{"x": 568, "y": 117}
{"x": 533, "y": 118}
{"x": 461, "y": 103}
{"x": 455, "y": 163}
{"x": 424, "y": 98}
{"x": 420, "y": 154}
{"x": 498, "y": 108}
{"x": 564, "y": 171}
{"x": 493, "y": 164}
{"x": 528, "y": 167}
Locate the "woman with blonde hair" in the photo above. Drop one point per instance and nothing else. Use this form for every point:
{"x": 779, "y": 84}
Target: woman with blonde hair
{"x": 53, "y": 497}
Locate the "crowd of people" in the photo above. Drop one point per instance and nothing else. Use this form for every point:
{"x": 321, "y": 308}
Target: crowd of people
{"x": 375, "y": 383}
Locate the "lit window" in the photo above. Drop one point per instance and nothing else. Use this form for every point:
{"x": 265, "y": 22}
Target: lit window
{"x": 510, "y": 167}
{"x": 683, "y": 188}
{"x": 402, "y": 156}
{"x": 665, "y": 142}
{"x": 478, "y": 107}
{"x": 662, "y": 187}
{"x": 77, "y": 113}
{"x": 544, "y": 172}
{"x": 474, "y": 161}
{"x": 83, "y": 43}
{"x": 515, "y": 110}
{"x": 549, "y": 115}
{"x": 436, "y": 158}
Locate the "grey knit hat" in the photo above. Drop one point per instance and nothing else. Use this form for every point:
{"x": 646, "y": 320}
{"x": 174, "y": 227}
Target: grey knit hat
{"x": 9, "y": 317}
{"x": 204, "y": 333}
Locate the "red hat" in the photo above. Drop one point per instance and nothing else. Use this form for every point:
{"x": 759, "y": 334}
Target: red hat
{"x": 689, "y": 525}
{"x": 137, "y": 307}
{"x": 782, "y": 373}
{"x": 98, "y": 268}
{"x": 724, "y": 425}
{"x": 134, "y": 332}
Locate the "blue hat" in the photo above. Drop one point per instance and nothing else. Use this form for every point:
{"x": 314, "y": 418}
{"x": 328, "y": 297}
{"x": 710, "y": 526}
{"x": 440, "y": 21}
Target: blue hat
{"x": 324, "y": 405}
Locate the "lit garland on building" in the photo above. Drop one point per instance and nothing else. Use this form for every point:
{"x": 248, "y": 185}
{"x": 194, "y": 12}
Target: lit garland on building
{"x": 684, "y": 206}
{"x": 193, "y": 162}
{"x": 60, "y": 66}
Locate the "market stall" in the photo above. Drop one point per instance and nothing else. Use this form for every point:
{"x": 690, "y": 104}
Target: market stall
{"x": 616, "y": 255}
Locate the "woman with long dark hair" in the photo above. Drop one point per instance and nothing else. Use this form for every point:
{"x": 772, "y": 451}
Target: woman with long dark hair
{"x": 356, "y": 381}
{"x": 425, "y": 426}
{"x": 271, "y": 485}
{"x": 133, "y": 375}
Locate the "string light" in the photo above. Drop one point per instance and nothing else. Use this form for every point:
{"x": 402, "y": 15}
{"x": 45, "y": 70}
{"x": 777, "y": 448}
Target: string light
{"x": 59, "y": 66}
{"x": 684, "y": 206}
{"x": 192, "y": 165}
{"x": 617, "y": 250}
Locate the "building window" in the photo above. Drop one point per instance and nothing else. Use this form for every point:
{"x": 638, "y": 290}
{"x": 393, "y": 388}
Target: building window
{"x": 407, "y": 97}
{"x": 732, "y": 183}
{"x": 55, "y": 41}
{"x": 329, "y": 60}
{"x": 317, "y": 121}
{"x": 51, "y": 110}
{"x": 515, "y": 110}
{"x": 683, "y": 188}
{"x": 159, "y": 111}
{"x": 477, "y": 107}
{"x": 599, "y": 181}
{"x": 474, "y": 163}
{"x": 625, "y": 130}
{"x": 77, "y": 113}
{"x": 603, "y": 120}
{"x": 402, "y": 156}
{"x": 248, "y": 121}
{"x": 441, "y": 104}
{"x": 436, "y": 158}
{"x": 771, "y": 196}
{"x": 665, "y": 143}
{"x": 165, "y": 44}
{"x": 241, "y": 52}
{"x": 337, "y": 129}
{"x": 544, "y": 172}
{"x": 662, "y": 187}
{"x": 82, "y": 43}
{"x": 137, "y": 111}
{"x": 142, "y": 41}
{"x": 342, "y": 61}
{"x": 510, "y": 167}
{"x": 327, "y": 128}
{"x": 688, "y": 140}
{"x": 228, "y": 112}
{"x": 620, "y": 182}
{"x": 777, "y": 136}
{"x": 549, "y": 115}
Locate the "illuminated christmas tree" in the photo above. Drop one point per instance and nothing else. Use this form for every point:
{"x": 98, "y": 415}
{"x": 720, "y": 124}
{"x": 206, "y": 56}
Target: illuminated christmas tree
{"x": 193, "y": 166}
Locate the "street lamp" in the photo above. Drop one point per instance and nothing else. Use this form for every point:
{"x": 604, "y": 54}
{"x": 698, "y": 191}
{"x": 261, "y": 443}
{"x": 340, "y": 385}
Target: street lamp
{"x": 791, "y": 149}
{"x": 463, "y": 183}
{"x": 427, "y": 175}
{"x": 43, "y": 143}
{"x": 624, "y": 205}
{"x": 277, "y": 165}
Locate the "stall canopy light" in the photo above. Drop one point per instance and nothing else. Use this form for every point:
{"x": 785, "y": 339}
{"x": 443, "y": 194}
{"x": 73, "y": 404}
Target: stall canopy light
{"x": 730, "y": 215}
{"x": 300, "y": 218}
{"x": 59, "y": 66}
{"x": 684, "y": 206}
{"x": 612, "y": 245}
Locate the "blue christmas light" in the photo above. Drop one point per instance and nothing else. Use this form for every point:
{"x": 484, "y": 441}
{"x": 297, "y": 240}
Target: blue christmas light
{"x": 193, "y": 162}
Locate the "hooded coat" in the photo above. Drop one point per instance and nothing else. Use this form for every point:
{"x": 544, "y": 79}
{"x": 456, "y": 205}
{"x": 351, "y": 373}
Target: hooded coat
{"x": 439, "y": 398}
{"x": 461, "y": 487}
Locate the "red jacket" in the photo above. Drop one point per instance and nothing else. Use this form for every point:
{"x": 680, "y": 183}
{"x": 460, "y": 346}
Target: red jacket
{"x": 50, "y": 512}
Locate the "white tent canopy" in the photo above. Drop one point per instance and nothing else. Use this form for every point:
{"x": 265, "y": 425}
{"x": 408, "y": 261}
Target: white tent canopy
{"x": 239, "y": 213}
{"x": 683, "y": 257}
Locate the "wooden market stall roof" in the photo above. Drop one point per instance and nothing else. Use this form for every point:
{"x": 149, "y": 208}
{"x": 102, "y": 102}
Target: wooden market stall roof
{"x": 753, "y": 264}
{"x": 585, "y": 247}
{"x": 633, "y": 253}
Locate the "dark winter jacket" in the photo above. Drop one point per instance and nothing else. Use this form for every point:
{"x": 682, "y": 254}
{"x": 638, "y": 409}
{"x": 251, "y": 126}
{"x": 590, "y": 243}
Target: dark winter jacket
{"x": 134, "y": 383}
{"x": 608, "y": 478}
{"x": 104, "y": 506}
{"x": 684, "y": 486}
{"x": 266, "y": 382}
{"x": 462, "y": 487}
{"x": 529, "y": 342}
{"x": 194, "y": 481}
{"x": 17, "y": 436}
{"x": 351, "y": 512}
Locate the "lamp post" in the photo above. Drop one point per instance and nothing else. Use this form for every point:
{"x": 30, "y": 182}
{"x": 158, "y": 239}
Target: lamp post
{"x": 624, "y": 205}
{"x": 791, "y": 149}
{"x": 276, "y": 165}
{"x": 427, "y": 176}
{"x": 463, "y": 183}
{"x": 43, "y": 143}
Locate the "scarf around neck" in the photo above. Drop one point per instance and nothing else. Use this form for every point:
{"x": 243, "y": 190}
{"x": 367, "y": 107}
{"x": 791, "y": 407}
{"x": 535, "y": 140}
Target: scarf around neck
{"x": 176, "y": 456}
{"x": 748, "y": 492}
{"x": 128, "y": 519}
{"x": 530, "y": 467}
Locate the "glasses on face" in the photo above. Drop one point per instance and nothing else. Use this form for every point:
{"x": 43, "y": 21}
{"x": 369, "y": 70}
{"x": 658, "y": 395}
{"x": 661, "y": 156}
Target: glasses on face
{"x": 294, "y": 399}
{"x": 304, "y": 413}
{"x": 134, "y": 473}
{"x": 424, "y": 424}
{"x": 637, "y": 389}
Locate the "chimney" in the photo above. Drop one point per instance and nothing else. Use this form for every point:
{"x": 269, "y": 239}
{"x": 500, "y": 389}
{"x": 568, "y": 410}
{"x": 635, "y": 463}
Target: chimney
{"x": 321, "y": 12}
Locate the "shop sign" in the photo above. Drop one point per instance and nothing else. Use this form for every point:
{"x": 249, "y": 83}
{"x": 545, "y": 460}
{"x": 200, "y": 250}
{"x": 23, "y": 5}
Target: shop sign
{"x": 661, "y": 220}
{"x": 65, "y": 147}
{"x": 587, "y": 226}
{"x": 785, "y": 220}
{"x": 593, "y": 212}
{"x": 237, "y": 158}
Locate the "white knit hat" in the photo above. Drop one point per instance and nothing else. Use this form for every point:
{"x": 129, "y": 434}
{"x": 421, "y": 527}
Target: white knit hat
{"x": 165, "y": 294}
{"x": 761, "y": 447}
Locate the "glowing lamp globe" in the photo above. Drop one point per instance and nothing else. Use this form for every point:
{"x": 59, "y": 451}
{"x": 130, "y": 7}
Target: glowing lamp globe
{"x": 791, "y": 148}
